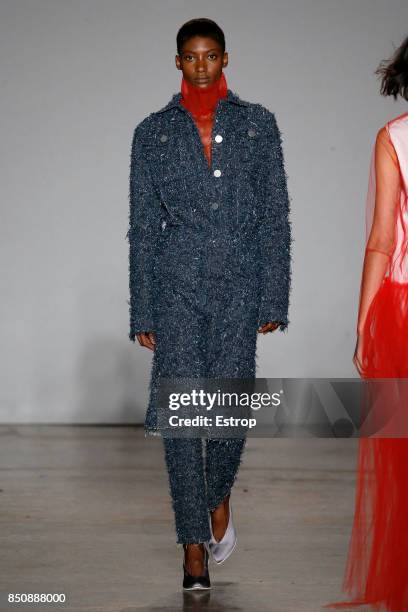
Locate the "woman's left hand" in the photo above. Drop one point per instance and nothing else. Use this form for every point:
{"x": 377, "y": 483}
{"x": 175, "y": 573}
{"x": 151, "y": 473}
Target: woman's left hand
{"x": 268, "y": 327}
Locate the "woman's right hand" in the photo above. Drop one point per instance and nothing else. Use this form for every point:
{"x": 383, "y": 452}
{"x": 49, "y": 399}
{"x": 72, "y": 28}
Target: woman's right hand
{"x": 358, "y": 355}
{"x": 147, "y": 339}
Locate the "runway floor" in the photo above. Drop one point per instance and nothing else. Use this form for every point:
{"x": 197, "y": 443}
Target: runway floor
{"x": 86, "y": 511}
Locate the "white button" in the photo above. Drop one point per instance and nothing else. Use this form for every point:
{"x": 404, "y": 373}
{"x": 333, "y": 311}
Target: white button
{"x": 218, "y": 138}
{"x": 217, "y": 173}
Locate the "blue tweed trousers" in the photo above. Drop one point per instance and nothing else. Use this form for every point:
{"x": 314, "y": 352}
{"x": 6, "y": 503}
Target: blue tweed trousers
{"x": 219, "y": 342}
{"x": 222, "y": 344}
{"x": 201, "y": 474}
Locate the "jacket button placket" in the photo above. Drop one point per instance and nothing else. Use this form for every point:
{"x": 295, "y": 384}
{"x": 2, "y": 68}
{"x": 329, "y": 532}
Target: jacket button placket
{"x": 217, "y": 173}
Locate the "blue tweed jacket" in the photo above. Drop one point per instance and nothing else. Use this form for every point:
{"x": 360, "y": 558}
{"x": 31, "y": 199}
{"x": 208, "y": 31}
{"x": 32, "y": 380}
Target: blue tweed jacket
{"x": 177, "y": 199}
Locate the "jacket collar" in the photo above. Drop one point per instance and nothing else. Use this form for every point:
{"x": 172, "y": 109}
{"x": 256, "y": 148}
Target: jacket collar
{"x": 231, "y": 98}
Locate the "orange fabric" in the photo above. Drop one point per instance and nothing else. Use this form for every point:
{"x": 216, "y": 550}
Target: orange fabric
{"x": 377, "y": 565}
{"x": 205, "y": 125}
{"x": 381, "y": 237}
{"x": 201, "y": 102}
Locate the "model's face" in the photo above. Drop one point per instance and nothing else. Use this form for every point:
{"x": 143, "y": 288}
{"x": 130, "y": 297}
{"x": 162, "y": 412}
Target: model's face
{"x": 201, "y": 61}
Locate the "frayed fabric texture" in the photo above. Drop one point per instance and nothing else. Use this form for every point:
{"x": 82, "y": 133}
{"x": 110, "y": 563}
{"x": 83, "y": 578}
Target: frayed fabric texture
{"x": 209, "y": 262}
{"x": 210, "y": 247}
{"x": 179, "y": 205}
{"x": 200, "y": 478}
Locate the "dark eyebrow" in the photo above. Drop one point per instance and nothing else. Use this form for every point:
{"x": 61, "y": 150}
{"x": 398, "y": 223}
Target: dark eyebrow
{"x": 193, "y": 52}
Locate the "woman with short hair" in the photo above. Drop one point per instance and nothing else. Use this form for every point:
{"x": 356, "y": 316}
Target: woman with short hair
{"x": 377, "y": 566}
{"x": 209, "y": 268}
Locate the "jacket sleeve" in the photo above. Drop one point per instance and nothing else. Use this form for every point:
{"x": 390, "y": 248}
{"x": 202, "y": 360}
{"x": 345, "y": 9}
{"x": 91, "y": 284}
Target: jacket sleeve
{"x": 275, "y": 233}
{"x": 143, "y": 236}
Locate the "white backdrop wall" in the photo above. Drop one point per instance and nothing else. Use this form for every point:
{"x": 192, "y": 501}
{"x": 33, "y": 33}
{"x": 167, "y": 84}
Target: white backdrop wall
{"x": 76, "y": 77}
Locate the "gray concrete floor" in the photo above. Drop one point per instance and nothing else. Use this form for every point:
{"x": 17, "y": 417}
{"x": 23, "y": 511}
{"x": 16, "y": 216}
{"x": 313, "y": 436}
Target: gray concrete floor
{"x": 86, "y": 511}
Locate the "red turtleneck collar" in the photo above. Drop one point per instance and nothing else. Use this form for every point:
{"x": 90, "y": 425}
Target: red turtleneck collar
{"x": 201, "y": 101}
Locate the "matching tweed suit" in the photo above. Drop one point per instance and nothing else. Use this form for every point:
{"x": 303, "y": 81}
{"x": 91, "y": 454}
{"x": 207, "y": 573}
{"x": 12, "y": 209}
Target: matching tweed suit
{"x": 209, "y": 263}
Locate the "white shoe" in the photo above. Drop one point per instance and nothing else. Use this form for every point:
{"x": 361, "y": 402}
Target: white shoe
{"x": 220, "y": 551}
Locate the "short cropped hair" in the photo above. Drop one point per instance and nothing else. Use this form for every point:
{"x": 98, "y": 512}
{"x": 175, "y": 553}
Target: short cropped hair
{"x": 200, "y": 27}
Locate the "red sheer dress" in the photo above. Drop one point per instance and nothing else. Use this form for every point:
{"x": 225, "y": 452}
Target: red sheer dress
{"x": 377, "y": 565}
